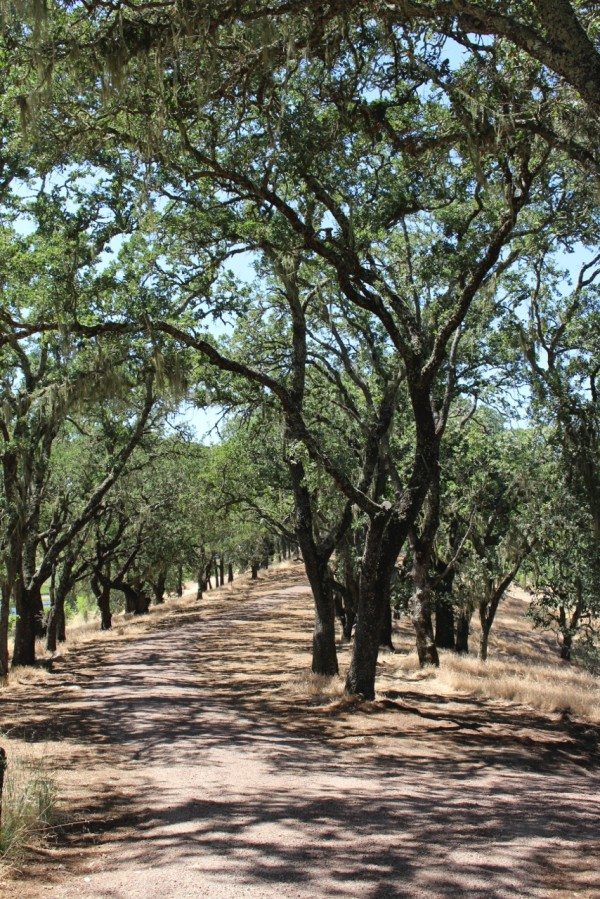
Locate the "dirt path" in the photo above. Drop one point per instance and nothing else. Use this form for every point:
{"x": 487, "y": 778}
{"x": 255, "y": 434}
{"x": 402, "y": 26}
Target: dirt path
{"x": 193, "y": 767}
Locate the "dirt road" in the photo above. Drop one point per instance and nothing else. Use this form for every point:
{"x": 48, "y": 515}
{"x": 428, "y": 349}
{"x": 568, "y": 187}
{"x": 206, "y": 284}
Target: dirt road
{"x": 193, "y": 764}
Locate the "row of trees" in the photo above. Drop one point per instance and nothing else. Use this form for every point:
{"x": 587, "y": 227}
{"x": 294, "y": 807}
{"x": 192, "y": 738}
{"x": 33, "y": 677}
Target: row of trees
{"x": 350, "y": 226}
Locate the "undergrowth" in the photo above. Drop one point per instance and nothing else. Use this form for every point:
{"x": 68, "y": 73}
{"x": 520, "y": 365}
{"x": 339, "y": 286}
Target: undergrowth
{"x": 28, "y": 805}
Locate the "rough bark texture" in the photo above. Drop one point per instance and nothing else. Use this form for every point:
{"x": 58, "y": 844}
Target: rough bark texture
{"x": 316, "y": 555}
{"x": 56, "y": 615}
{"x": 229, "y": 573}
{"x": 158, "y": 587}
{"x": 4, "y": 615}
{"x": 25, "y": 628}
{"x": 444, "y": 624}
{"x": 420, "y": 610}
{"x": 102, "y": 593}
{"x": 463, "y": 622}
{"x": 384, "y": 538}
{"x": 387, "y": 628}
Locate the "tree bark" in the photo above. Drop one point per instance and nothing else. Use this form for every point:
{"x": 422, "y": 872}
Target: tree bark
{"x": 229, "y": 573}
{"x": 566, "y": 647}
{"x": 489, "y": 606}
{"x": 5, "y": 594}
{"x": 59, "y": 590}
{"x": 463, "y": 622}
{"x": 384, "y": 537}
{"x": 27, "y": 610}
{"x": 254, "y": 570}
{"x": 101, "y": 591}
{"x": 180, "y": 580}
{"x": 387, "y": 629}
{"x": 420, "y": 610}
{"x": 484, "y": 641}
{"x": 444, "y": 624}
{"x": 158, "y": 587}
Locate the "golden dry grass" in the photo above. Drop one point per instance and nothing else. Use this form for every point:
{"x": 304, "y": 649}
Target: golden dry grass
{"x": 28, "y": 802}
{"x": 547, "y": 688}
{"x": 523, "y": 667}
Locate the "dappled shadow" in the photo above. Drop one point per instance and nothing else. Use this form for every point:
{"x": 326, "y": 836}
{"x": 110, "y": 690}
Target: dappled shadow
{"x": 219, "y": 774}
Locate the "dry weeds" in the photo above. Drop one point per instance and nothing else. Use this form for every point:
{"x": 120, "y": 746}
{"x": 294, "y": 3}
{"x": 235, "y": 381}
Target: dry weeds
{"x": 28, "y": 802}
{"x": 523, "y": 667}
{"x": 547, "y": 688}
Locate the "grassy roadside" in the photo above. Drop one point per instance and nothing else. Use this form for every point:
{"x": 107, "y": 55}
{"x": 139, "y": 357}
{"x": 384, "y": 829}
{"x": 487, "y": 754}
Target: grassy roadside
{"x": 28, "y": 804}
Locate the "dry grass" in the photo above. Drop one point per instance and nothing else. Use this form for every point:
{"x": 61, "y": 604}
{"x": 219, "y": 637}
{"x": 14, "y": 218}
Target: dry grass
{"x": 523, "y": 667}
{"x": 318, "y": 688}
{"x": 547, "y": 688}
{"x": 28, "y": 803}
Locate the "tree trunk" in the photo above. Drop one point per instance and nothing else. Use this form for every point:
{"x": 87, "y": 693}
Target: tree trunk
{"x": 230, "y": 573}
{"x": 27, "y": 609}
{"x": 222, "y": 569}
{"x": 201, "y": 585}
{"x": 217, "y": 574}
{"x": 159, "y": 588}
{"x": 4, "y": 617}
{"x": 444, "y": 624}
{"x": 56, "y": 618}
{"x": 420, "y": 609}
{"x": 387, "y": 628}
{"x": 105, "y": 610}
{"x": 136, "y": 602}
{"x": 59, "y": 590}
{"x": 463, "y": 621}
{"x": 352, "y": 585}
{"x": 484, "y": 642}
{"x": 384, "y": 538}
{"x": 179, "y": 580}
{"x": 567, "y": 647}
{"x": 255, "y": 567}
{"x": 101, "y": 591}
